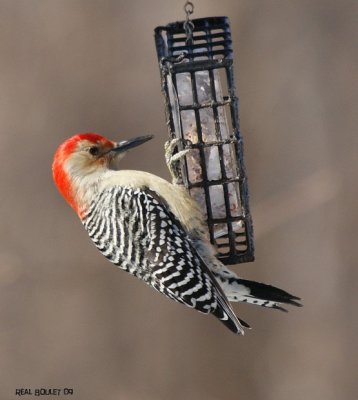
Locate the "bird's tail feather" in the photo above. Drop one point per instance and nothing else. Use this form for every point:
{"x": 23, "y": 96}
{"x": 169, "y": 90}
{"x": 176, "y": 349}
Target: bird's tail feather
{"x": 242, "y": 290}
{"x": 235, "y": 324}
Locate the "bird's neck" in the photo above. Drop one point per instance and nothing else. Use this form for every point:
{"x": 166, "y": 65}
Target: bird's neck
{"x": 77, "y": 188}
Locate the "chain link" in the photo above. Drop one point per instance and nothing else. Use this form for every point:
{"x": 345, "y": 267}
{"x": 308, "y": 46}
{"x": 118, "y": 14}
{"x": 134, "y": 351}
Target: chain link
{"x": 188, "y": 24}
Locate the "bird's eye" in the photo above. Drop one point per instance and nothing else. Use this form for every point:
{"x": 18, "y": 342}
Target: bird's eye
{"x": 94, "y": 150}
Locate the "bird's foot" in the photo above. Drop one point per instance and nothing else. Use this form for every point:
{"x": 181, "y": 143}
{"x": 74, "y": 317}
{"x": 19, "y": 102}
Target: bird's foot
{"x": 173, "y": 156}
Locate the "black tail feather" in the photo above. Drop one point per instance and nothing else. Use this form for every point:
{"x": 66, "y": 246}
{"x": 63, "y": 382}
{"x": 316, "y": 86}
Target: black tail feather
{"x": 270, "y": 293}
{"x": 229, "y": 322}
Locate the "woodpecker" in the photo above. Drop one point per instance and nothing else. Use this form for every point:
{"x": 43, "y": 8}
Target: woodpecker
{"x": 152, "y": 228}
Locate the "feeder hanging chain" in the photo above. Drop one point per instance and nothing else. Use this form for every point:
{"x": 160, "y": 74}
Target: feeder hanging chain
{"x": 188, "y": 24}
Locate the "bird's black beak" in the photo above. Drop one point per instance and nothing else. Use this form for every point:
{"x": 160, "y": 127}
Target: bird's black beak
{"x": 126, "y": 145}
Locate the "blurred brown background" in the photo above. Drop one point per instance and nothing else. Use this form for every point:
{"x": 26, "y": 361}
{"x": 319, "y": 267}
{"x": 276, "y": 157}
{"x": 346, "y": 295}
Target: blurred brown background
{"x": 70, "y": 319}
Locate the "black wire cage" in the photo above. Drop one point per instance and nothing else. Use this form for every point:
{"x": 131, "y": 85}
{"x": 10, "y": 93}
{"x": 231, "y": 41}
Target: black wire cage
{"x": 196, "y": 64}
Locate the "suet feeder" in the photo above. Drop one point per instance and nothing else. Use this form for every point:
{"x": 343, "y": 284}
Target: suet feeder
{"x": 196, "y": 64}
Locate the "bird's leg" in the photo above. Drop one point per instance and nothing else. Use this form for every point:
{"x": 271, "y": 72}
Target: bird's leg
{"x": 173, "y": 157}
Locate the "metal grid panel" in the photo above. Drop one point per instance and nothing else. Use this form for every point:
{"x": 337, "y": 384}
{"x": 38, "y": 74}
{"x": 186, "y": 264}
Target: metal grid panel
{"x": 211, "y": 39}
{"x": 209, "y": 54}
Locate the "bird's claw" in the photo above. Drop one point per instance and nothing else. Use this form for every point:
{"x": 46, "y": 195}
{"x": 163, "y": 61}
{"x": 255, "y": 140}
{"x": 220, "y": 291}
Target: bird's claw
{"x": 173, "y": 156}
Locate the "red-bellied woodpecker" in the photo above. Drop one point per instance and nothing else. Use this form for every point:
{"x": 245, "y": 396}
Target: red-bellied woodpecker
{"x": 152, "y": 228}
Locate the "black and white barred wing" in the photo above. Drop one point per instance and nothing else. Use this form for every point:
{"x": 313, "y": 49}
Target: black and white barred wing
{"x": 134, "y": 229}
